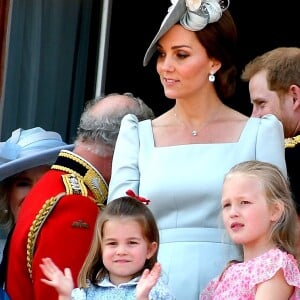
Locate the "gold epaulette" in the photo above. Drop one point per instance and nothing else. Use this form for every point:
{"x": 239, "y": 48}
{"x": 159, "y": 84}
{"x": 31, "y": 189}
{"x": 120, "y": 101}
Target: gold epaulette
{"x": 291, "y": 142}
{"x": 74, "y": 185}
{"x": 70, "y": 163}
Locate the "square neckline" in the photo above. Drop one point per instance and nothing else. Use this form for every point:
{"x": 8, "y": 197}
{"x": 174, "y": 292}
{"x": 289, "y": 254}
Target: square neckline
{"x": 148, "y": 124}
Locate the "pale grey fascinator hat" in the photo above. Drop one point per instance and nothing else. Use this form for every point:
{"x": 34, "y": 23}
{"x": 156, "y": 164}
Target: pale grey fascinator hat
{"x": 30, "y": 148}
{"x": 193, "y": 15}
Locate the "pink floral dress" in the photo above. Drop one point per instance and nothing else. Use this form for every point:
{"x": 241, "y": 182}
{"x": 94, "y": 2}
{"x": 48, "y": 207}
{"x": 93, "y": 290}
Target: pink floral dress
{"x": 239, "y": 281}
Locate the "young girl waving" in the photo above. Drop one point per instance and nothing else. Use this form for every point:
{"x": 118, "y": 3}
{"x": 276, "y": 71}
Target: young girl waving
{"x": 258, "y": 214}
{"x": 122, "y": 262}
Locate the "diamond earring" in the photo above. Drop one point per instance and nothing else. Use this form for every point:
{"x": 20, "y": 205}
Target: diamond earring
{"x": 211, "y": 77}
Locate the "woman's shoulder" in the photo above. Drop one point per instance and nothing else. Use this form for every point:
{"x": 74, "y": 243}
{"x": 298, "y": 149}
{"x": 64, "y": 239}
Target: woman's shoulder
{"x": 134, "y": 132}
{"x": 130, "y": 122}
{"x": 162, "y": 119}
{"x": 132, "y": 119}
{"x": 268, "y": 126}
{"x": 267, "y": 120}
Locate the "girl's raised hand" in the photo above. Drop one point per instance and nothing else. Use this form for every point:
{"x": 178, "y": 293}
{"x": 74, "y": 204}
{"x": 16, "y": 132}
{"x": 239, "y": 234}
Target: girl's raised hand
{"x": 61, "y": 281}
{"x": 147, "y": 282}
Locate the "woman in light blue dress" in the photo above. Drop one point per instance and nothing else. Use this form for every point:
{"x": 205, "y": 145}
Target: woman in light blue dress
{"x": 179, "y": 159}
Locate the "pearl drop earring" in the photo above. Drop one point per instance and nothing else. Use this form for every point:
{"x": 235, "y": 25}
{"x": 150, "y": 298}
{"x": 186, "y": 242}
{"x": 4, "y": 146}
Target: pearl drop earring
{"x": 211, "y": 77}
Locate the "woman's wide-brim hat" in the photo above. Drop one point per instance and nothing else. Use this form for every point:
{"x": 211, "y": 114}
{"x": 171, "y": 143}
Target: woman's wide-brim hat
{"x": 175, "y": 13}
{"x": 30, "y": 148}
{"x": 193, "y": 15}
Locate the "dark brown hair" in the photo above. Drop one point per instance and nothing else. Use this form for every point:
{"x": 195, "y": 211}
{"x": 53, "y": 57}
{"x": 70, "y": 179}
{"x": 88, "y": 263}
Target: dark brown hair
{"x": 220, "y": 41}
{"x": 282, "y": 65}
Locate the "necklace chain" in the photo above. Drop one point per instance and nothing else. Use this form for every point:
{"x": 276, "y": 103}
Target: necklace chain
{"x": 194, "y": 132}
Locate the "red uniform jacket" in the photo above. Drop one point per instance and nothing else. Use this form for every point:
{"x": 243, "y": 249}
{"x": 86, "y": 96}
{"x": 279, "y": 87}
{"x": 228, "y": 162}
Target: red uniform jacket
{"x": 56, "y": 220}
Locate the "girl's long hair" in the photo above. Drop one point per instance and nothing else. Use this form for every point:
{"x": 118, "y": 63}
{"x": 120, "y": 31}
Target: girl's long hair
{"x": 93, "y": 269}
{"x": 285, "y": 232}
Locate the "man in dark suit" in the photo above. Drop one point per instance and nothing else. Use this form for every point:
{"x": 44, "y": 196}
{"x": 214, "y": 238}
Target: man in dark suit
{"x": 274, "y": 87}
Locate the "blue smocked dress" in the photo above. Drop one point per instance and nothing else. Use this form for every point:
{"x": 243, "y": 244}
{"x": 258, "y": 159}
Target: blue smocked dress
{"x": 105, "y": 290}
{"x": 184, "y": 185}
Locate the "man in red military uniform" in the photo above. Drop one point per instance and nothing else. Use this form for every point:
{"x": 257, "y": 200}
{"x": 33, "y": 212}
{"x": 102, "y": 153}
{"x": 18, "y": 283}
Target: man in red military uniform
{"x": 57, "y": 217}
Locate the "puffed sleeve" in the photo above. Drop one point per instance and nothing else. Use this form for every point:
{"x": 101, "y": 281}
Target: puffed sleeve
{"x": 267, "y": 265}
{"x": 270, "y": 142}
{"x": 125, "y": 171}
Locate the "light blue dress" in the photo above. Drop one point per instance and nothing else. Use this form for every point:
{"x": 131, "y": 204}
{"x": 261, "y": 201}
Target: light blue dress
{"x": 184, "y": 185}
{"x": 105, "y": 290}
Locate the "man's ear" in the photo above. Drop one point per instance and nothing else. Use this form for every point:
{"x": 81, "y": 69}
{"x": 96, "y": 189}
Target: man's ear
{"x": 294, "y": 91}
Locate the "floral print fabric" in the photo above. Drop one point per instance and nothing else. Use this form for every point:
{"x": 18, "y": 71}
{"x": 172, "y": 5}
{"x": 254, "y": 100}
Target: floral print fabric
{"x": 239, "y": 281}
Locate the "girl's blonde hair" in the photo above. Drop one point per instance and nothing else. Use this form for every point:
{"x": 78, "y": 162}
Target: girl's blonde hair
{"x": 285, "y": 232}
{"x": 93, "y": 269}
